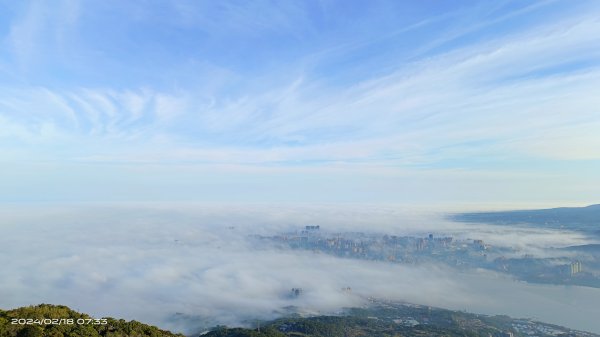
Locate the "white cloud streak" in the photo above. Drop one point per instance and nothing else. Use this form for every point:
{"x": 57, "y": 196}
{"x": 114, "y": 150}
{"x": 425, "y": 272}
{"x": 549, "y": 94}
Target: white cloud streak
{"x": 466, "y": 96}
{"x": 468, "y": 114}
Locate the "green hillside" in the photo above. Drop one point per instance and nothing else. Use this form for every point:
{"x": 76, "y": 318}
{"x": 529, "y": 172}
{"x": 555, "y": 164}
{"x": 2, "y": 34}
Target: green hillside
{"x": 58, "y": 321}
{"x": 395, "y": 319}
{"x": 384, "y": 319}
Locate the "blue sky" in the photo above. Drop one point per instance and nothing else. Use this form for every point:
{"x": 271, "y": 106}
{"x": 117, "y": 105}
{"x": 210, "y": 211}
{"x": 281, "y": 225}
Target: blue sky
{"x": 300, "y": 101}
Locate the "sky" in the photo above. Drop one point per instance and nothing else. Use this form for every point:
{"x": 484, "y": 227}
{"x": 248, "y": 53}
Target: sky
{"x": 300, "y": 101}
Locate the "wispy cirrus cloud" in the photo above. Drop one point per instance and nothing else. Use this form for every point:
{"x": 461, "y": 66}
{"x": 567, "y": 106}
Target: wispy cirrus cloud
{"x": 482, "y": 105}
{"x": 452, "y": 99}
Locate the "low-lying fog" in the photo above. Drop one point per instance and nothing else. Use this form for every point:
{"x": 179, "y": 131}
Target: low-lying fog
{"x": 150, "y": 262}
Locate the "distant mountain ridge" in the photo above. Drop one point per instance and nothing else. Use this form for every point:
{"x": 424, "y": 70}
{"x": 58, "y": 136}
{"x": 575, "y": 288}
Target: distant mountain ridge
{"x": 574, "y": 218}
{"x": 590, "y": 248}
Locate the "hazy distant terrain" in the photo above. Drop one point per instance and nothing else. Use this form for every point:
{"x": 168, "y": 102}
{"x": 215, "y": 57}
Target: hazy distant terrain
{"x": 585, "y": 219}
{"x": 572, "y": 265}
{"x": 398, "y": 319}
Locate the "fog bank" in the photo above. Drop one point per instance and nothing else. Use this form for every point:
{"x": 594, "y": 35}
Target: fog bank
{"x": 149, "y": 263}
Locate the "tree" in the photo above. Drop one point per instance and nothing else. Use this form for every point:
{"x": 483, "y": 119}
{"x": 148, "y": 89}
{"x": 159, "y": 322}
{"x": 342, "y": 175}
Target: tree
{"x": 30, "y": 331}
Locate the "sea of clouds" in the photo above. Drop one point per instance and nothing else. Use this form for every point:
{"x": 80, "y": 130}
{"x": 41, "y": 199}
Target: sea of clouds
{"x": 188, "y": 267}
